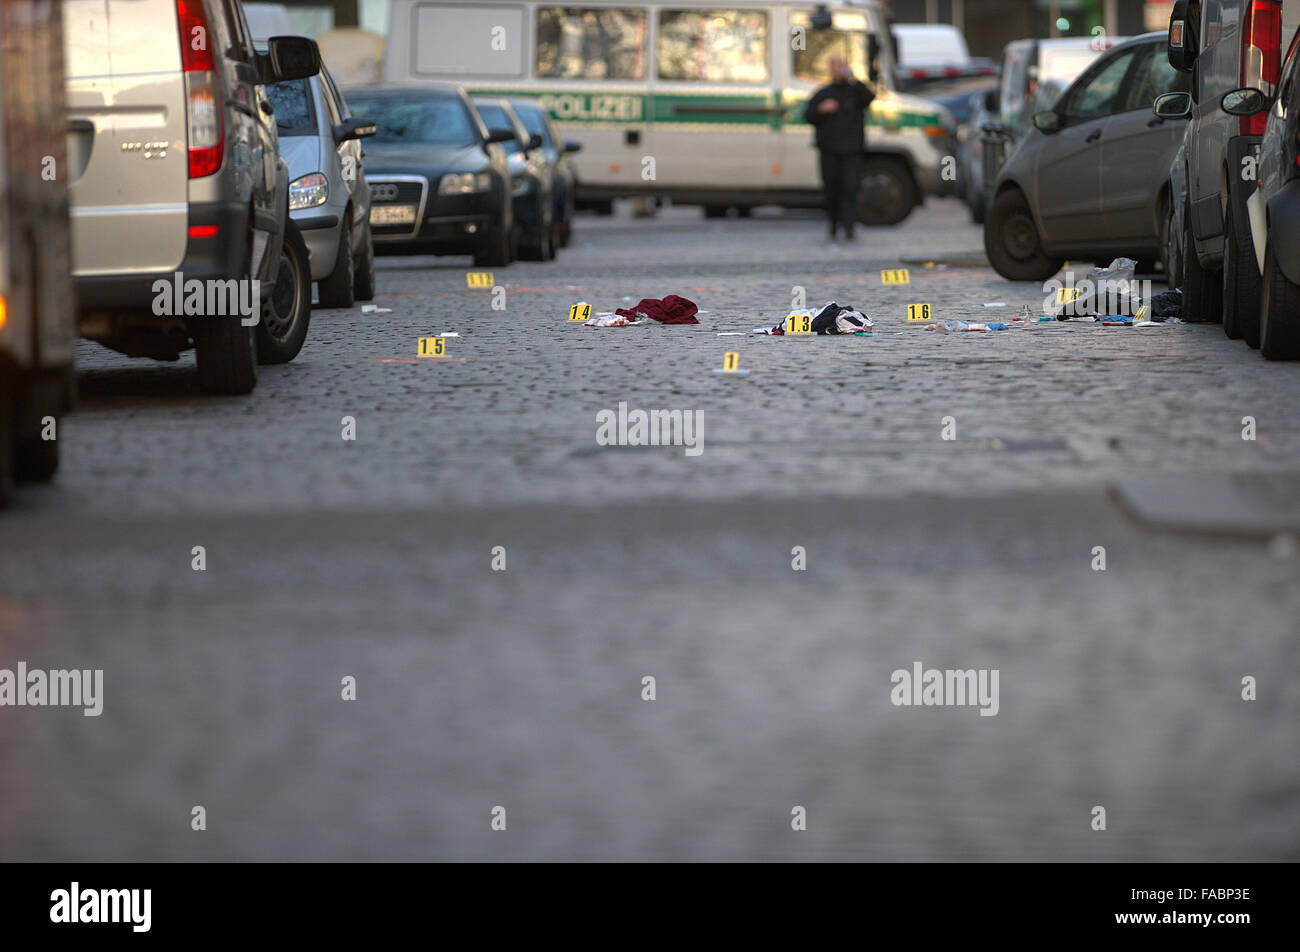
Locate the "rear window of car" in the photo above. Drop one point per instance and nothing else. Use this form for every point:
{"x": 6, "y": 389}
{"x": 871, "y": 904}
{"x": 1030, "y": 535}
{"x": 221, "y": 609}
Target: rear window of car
{"x": 439, "y": 122}
{"x": 295, "y": 108}
{"x": 494, "y": 116}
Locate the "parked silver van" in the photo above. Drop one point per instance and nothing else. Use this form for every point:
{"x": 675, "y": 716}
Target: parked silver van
{"x": 179, "y": 198}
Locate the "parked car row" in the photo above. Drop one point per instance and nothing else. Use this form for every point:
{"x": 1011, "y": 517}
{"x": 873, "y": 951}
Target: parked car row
{"x": 453, "y": 175}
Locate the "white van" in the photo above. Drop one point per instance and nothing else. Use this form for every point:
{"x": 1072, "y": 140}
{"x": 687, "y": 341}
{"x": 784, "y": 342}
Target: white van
{"x": 700, "y": 101}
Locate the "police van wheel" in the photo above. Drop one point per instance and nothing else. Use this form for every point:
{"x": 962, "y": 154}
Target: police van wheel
{"x": 886, "y": 194}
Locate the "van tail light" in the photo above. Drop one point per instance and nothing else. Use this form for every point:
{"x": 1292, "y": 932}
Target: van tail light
{"x": 1261, "y": 55}
{"x": 207, "y": 141}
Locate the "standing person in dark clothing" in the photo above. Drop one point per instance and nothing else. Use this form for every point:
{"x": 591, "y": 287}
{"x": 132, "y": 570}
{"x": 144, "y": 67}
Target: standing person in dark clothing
{"x": 838, "y": 112}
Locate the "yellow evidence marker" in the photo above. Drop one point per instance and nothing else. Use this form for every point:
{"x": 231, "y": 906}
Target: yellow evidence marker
{"x": 431, "y": 347}
{"x": 796, "y": 324}
{"x": 478, "y": 279}
{"x": 579, "y": 312}
{"x": 895, "y": 276}
{"x": 918, "y": 312}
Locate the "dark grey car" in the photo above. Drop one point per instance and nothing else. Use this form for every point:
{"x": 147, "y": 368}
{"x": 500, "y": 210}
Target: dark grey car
{"x": 1091, "y": 179}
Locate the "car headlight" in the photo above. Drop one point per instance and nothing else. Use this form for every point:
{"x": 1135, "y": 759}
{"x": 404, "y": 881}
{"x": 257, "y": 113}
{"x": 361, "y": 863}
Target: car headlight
{"x": 308, "y": 191}
{"x": 464, "y": 183}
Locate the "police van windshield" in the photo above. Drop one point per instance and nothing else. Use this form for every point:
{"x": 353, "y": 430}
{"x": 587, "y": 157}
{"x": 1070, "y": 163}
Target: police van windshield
{"x": 442, "y": 122}
{"x": 813, "y": 48}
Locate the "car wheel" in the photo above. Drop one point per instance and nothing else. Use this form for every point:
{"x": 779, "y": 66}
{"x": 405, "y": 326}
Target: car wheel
{"x": 363, "y": 286}
{"x": 1240, "y": 282}
{"x": 339, "y": 288}
{"x": 715, "y": 211}
{"x": 495, "y": 253}
{"x": 1170, "y": 250}
{"x": 1012, "y": 243}
{"x": 286, "y": 315}
{"x": 36, "y": 460}
{"x": 1202, "y": 291}
{"x": 567, "y": 221}
{"x": 1279, "y": 314}
{"x": 886, "y": 194}
{"x": 975, "y": 200}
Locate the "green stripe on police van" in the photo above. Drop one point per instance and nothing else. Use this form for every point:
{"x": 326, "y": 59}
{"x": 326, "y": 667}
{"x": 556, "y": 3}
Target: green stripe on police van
{"x": 720, "y": 109}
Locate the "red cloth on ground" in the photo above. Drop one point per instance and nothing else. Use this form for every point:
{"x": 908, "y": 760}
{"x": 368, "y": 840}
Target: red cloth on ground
{"x": 671, "y": 310}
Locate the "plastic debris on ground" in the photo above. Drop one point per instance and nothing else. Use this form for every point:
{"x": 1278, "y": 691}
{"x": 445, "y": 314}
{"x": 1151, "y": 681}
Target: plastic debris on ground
{"x": 952, "y": 326}
{"x": 375, "y": 309}
{"x": 830, "y": 318}
{"x": 1109, "y": 290}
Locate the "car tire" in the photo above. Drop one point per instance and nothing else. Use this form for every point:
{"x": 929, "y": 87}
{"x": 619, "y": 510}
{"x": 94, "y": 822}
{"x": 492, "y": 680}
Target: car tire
{"x": 1012, "y": 243}
{"x": 1202, "y": 291}
{"x": 495, "y": 252}
{"x": 566, "y": 223}
{"x": 287, "y": 314}
{"x": 715, "y": 211}
{"x": 363, "y": 285}
{"x": 339, "y": 288}
{"x": 886, "y": 193}
{"x": 1171, "y": 251}
{"x": 1279, "y": 314}
{"x": 225, "y": 351}
{"x": 975, "y": 200}
{"x": 36, "y": 461}
{"x": 1240, "y": 282}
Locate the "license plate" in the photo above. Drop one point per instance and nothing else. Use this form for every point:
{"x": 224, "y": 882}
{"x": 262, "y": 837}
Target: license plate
{"x": 392, "y": 214}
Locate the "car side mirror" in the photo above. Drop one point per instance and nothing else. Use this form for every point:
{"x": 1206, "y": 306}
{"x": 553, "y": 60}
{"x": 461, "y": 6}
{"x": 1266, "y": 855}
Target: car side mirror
{"x": 1182, "y": 41}
{"x": 1047, "y": 121}
{"x": 500, "y": 135}
{"x": 1244, "y": 102}
{"x": 289, "y": 57}
{"x": 571, "y": 145}
{"x": 1173, "y": 106}
{"x": 535, "y": 141}
{"x": 354, "y": 128}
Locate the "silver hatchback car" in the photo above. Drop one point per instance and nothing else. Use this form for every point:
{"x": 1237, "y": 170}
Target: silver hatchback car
{"x": 329, "y": 199}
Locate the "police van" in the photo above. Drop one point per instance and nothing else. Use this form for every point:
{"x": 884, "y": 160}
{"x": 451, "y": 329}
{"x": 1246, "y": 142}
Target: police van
{"x": 700, "y": 102}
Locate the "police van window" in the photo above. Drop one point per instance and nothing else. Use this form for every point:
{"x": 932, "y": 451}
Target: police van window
{"x": 590, "y": 43}
{"x": 813, "y": 49}
{"x": 469, "y": 39}
{"x": 714, "y": 46}
{"x": 295, "y": 113}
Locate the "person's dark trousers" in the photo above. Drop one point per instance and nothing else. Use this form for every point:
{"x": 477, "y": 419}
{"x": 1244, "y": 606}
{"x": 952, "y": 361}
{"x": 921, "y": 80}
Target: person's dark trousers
{"x": 840, "y": 178}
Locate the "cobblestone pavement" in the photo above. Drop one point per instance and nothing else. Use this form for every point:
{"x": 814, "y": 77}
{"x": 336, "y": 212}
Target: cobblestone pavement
{"x": 523, "y": 688}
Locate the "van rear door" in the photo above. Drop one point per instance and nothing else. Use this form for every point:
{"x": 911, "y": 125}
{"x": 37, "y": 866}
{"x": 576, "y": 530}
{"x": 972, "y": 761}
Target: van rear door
{"x": 127, "y": 149}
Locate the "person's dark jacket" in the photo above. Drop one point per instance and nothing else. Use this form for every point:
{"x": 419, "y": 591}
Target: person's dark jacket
{"x": 841, "y": 132}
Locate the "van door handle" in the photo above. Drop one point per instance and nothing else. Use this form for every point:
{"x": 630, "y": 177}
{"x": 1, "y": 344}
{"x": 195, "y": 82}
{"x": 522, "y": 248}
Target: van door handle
{"x": 1093, "y": 136}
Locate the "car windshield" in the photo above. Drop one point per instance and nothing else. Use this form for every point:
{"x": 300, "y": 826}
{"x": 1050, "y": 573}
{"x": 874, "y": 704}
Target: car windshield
{"x": 535, "y": 122}
{"x": 494, "y": 115}
{"x": 295, "y": 109}
{"x": 431, "y": 121}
